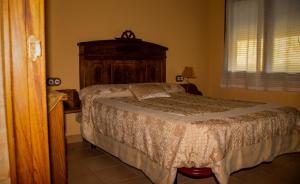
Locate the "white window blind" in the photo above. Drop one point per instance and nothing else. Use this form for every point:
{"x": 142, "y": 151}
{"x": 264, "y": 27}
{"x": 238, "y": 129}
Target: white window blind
{"x": 262, "y": 45}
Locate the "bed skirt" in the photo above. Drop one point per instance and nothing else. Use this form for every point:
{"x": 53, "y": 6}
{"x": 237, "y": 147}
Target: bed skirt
{"x": 234, "y": 160}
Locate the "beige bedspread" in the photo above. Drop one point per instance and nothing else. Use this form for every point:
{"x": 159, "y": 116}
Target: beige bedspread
{"x": 190, "y": 131}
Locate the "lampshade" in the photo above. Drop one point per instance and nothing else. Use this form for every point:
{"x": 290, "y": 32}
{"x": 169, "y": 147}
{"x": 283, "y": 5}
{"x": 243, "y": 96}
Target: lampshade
{"x": 188, "y": 72}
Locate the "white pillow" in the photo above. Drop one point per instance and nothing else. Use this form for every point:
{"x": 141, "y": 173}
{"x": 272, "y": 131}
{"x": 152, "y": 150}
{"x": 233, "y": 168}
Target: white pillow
{"x": 106, "y": 91}
{"x": 148, "y": 90}
{"x": 173, "y": 87}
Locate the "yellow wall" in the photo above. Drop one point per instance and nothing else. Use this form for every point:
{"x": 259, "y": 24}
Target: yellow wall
{"x": 179, "y": 25}
{"x": 193, "y": 30}
{"x": 215, "y": 66}
{"x": 4, "y": 155}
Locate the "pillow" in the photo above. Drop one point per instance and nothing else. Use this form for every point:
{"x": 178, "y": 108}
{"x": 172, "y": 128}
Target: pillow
{"x": 106, "y": 91}
{"x": 148, "y": 90}
{"x": 173, "y": 88}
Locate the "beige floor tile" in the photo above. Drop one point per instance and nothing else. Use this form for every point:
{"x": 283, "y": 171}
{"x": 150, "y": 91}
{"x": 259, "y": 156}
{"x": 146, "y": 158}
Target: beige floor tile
{"x": 267, "y": 173}
{"x": 129, "y": 167}
{"x": 78, "y": 146}
{"x": 261, "y": 179}
{"x": 138, "y": 180}
{"x": 100, "y": 162}
{"x": 235, "y": 180}
{"x": 116, "y": 174}
{"x": 76, "y": 169}
{"x": 208, "y": 180}
{"x": 83, "y": 176}
{"x": 182, "y": 179}
{"x": 284, "y": 175}
{"x": 80, "y": 154}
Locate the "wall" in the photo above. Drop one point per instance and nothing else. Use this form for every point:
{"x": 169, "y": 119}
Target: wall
{"x": 193, "y": 30}
{"x": 215, "y": 66}
{"x": 4, "y": 159}
{"x": 176, "y": 24}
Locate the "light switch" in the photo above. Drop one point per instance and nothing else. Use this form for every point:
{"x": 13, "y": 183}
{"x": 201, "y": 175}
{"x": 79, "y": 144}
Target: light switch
{"x": 179, "y": 78}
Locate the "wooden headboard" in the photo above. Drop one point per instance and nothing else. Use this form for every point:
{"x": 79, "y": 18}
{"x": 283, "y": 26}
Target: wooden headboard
{"x": 120, "y": 61}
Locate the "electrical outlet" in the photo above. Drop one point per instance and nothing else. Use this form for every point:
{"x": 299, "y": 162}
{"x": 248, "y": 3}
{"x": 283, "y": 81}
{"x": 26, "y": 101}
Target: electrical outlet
{"x": 179, "y": 78}
{"x": 53, "y": 81}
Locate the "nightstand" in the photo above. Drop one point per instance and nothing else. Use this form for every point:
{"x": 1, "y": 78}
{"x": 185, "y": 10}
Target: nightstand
{"x": 72, "y": 104}
{"x": 57, "y": 137}
{"x": 191, "y": 88}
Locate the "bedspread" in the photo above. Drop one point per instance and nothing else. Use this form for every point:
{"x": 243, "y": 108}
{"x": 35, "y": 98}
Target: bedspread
{"x": 194, "y": 131}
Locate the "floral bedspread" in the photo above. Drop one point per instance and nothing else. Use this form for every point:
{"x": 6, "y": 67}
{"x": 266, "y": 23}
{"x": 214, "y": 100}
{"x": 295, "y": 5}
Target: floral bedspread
{"x": 195, "y": 131}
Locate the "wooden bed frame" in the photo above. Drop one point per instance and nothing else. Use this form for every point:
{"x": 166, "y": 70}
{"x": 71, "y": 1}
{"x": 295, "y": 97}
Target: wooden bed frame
{"x": 126, "y": 60}
{"x": 121, "y": 61}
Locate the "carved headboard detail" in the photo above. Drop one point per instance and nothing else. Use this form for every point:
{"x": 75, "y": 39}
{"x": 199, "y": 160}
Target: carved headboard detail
{"x": 121, "y": 61}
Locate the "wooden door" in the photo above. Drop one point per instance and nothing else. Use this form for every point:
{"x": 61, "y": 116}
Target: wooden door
{"x": 22, "y": 28}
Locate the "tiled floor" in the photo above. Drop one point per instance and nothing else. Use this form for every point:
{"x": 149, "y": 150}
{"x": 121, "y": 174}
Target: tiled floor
{"x": 87, "y": 166}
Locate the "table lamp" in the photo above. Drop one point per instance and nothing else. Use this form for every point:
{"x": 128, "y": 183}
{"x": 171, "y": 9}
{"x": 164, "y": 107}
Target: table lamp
{"x": 188, "y": 73}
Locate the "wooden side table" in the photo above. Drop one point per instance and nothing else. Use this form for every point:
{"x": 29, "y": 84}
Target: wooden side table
{"x": 57, "y": 137}
{"x": 72, "y": 103}
{"x": 191, "y": 88}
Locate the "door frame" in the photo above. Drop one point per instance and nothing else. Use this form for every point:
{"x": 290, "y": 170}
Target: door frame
{"x": 25, "y": 91}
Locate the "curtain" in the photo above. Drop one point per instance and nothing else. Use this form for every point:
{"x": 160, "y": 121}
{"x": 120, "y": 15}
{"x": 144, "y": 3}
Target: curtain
{"x": 262, "y": 45}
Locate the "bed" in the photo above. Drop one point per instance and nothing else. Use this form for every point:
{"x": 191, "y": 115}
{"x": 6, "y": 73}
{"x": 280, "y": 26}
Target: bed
{"x": 161, "y": 134}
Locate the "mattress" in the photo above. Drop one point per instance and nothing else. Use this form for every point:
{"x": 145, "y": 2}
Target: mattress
{"x": 159, "y": 135}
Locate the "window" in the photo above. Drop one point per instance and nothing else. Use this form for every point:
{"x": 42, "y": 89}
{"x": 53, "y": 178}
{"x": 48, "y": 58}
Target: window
{"x": 262, "y": 44}
{"x": 285, "y": 60}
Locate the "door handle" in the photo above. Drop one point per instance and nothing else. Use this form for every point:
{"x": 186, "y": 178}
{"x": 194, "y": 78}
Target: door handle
{"x": 34, "y": 48}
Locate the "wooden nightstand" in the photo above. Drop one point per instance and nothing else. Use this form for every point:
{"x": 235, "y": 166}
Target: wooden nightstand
{"x": 72, "y": 104}
{"x": 191, "y": 88}
{"x": 57, "y": 137}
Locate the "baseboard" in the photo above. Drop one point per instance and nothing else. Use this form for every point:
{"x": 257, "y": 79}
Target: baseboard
{"x": 74, "y": 138}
